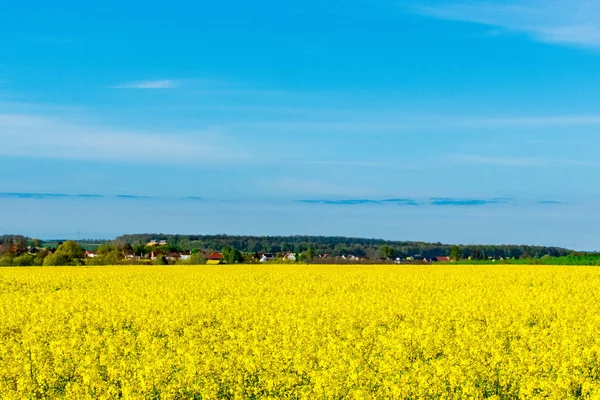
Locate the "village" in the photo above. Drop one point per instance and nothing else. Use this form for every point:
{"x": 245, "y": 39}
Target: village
{"x": 160, "y": 250}
{"x": 144, "y": 249}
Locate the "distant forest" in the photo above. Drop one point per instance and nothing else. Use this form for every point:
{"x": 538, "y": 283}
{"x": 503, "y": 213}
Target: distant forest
{"x": 339, "y": 246}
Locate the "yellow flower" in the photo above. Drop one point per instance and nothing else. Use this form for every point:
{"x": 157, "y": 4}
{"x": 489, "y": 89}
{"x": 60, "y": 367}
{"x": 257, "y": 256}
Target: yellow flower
{"x": 303, "y": 332}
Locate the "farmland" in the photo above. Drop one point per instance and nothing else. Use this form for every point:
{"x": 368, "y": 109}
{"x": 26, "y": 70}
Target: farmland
{"x": 300, "y": 332}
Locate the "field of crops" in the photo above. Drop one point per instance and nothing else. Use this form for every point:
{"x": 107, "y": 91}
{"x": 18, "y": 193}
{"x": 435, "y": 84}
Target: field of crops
{"x": 312, "y": 332}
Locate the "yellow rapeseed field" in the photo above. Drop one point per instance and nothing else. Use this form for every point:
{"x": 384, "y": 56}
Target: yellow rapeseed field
{"x": 306, "y": 332}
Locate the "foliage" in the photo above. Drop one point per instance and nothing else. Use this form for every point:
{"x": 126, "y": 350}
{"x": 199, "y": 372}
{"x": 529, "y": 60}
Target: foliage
{"x": 335, "y": 246}
{"x": 386, "y": 251}
{"x": 312, "y": 332}
{"x": 67, "y": 253}
{"x": 455, "y": 253}
{"x": 7, "y": 260}
{"x": 159, "y": 260}
{"x": 310, "y": 253}
{"x": 106, "y": 254}
{"x": 14, "y": 244}
{"x": 24, "y": 260}
{"x": 573, "y": 259}
{"x": 232, "y": 256}
{"x": 197, "y": 258}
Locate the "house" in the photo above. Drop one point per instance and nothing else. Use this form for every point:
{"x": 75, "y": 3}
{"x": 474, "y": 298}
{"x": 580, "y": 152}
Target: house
{"x": 441, "y": 259}
{"x": 91, "y": 254}
{"x": 130, "y": 255}
{"x": 173, "y": 256}
{"x": 268, "y": 257}
{"x": 185, "y": 255}
{"x": 289, "y": 257}
{"x": 214, "y": 258}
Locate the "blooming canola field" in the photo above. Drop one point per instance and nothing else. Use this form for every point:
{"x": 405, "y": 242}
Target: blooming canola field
{"x": 302, "y": 332}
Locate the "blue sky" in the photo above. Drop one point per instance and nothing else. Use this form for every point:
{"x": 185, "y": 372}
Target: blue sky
{"x": 256, "y": 107}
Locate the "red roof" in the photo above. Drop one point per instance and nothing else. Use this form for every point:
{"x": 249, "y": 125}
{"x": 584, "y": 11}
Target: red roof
{"x": 215, "y": 256}
{"x": 443, "y": 259}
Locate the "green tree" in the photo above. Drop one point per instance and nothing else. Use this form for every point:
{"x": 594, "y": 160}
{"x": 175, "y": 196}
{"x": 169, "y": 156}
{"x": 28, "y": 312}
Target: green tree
{"x": 232, "y": 256}
{"x": 387, "y": 251}
{"x": 455, "y": 253}
{"x": 67, "y": 253}
{"x": 40, "y": 256}
{"x": 36, "y": 243}
{"x": 24, "y": 260}
{"x": 20, "y": 244}
{"x": 140, "y": 250}
{"x": 159, "y": 260}
{"x": 198, "y": 258}
{"x": 106, "y": 254}
{"x": 478, "y": 255}
{"x": 309, "y": 253}
{"x": 6, "y": 260}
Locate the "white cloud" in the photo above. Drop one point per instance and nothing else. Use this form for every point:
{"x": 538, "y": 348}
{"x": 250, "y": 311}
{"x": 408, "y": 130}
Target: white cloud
{"x": 162, "y": 84}
{"x": 24, "y": 135}
{"x": 571, "y": 22}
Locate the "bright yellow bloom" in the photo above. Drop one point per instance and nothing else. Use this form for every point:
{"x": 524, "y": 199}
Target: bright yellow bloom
{"x": 306, "y": 332}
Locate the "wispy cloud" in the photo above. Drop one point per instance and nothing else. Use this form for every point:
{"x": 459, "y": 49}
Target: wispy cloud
{"x": 361, "y": 164}
{"x": 448, "y": 201}
{"x": 160, "y": 84}
{"x": 14, "y": 195}
{"x": 358, "y": 125}
{"x": 87, "y": 196}
{"x": 392, "y": 202}
{"x": 500, "y": 161}
{"x": 571, "y": 22}
{"x": 24, "y": 135}
{"x": 353, "y": 202}
{"x": 20, "y": 195}
{"x": 341, "y": 202}
{"x": 506, "y": 161}
{"x": 431, "y": 202}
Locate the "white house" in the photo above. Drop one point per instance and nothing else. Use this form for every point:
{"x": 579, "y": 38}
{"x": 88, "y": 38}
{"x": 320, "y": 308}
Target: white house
{"x": 289, "y": 256}
{"x": 268, "y": 257}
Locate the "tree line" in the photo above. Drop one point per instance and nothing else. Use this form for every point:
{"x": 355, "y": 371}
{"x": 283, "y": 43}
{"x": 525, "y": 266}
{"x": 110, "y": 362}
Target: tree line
{"x": 339, "y": 246}
{"x": 16, "y": 250}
